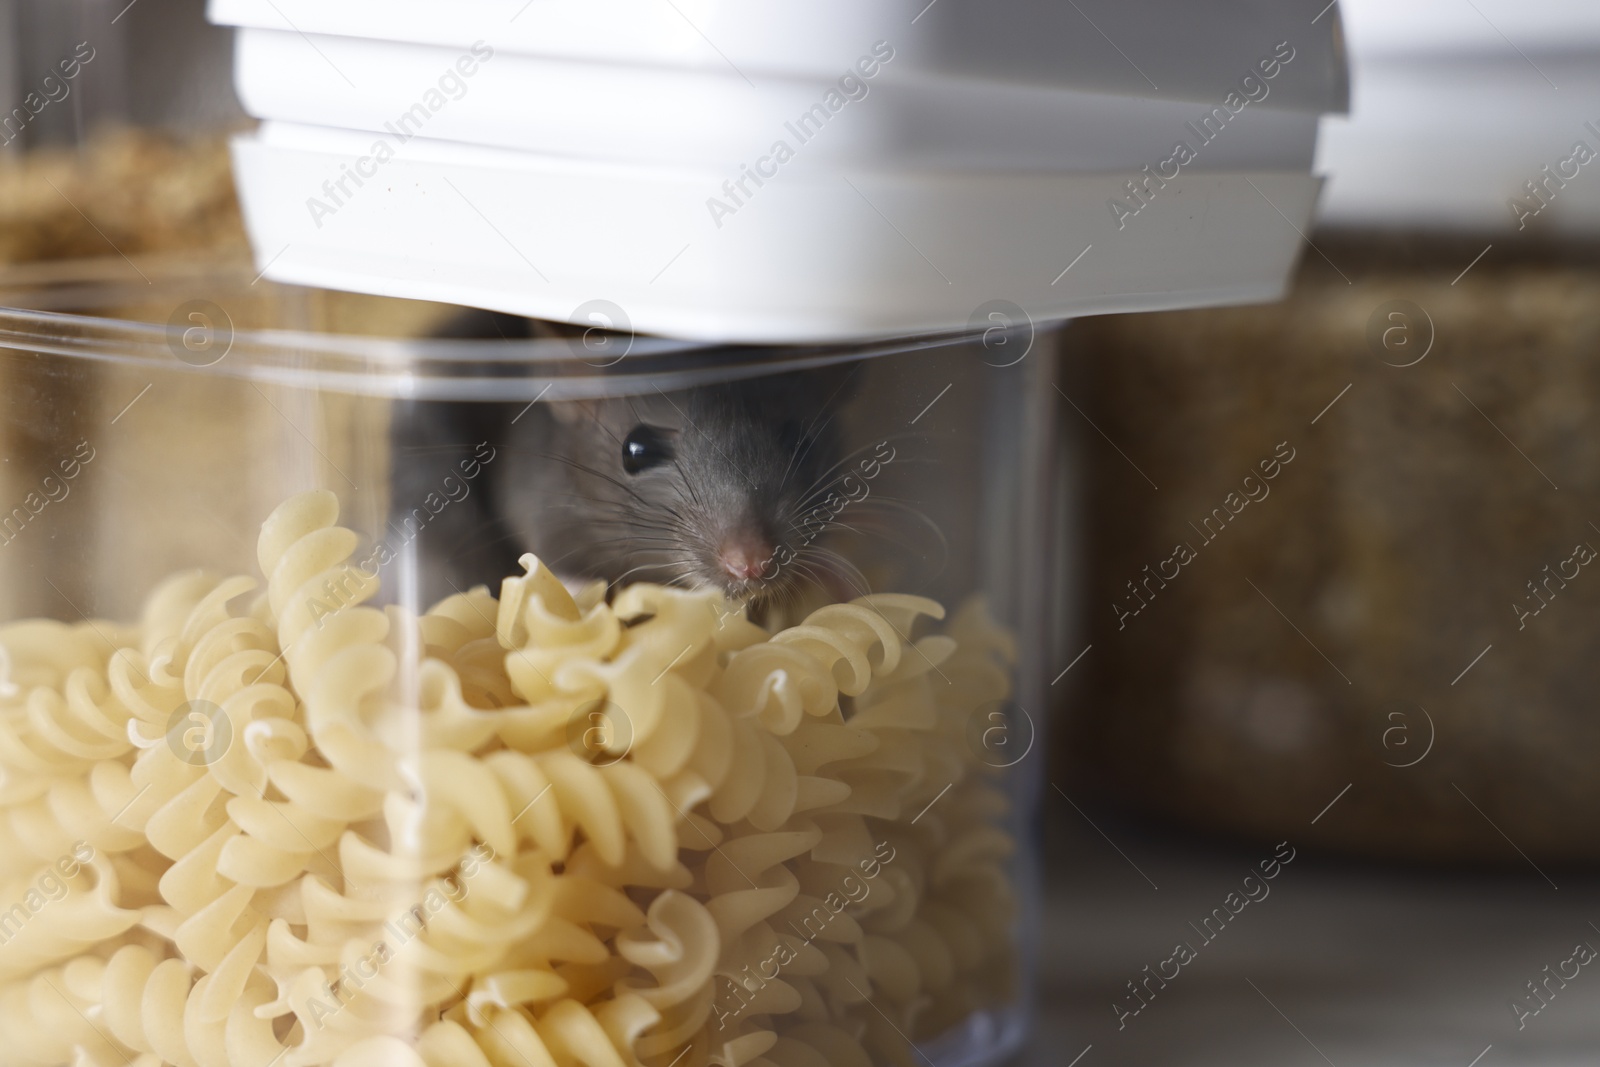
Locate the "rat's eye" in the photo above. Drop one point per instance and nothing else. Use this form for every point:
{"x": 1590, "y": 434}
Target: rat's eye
{"x": 643, "y": 448}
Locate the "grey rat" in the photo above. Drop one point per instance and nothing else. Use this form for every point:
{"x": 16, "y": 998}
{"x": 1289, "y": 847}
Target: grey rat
{"x": 715, "y": 485}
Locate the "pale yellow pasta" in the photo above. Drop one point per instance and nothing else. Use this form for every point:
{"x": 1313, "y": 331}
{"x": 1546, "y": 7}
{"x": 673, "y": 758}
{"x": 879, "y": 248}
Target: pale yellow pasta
{"x": 534, "y": 829}
{"x": 679, "y": 953}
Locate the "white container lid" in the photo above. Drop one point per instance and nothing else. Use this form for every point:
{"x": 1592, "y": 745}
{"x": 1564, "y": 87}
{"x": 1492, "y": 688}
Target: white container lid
{"x": 1458, "y": 107}
{"x": 777, "y": 170}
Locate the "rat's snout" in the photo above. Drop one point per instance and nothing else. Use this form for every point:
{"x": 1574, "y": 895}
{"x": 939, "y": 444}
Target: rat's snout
{"x": 744, "y": 555}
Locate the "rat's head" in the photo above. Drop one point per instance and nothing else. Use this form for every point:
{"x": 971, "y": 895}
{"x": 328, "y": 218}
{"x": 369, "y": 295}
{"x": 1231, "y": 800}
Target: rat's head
{"x": 706, "y": 486}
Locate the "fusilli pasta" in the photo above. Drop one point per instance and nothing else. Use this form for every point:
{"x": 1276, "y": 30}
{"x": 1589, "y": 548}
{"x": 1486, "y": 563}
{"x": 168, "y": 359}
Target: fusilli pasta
{"x": 277, "y": 825}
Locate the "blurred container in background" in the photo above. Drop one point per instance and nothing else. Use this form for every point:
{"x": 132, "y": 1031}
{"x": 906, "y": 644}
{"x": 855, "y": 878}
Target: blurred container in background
{"x": 1403, "y": 607}
{"x": 111, "y": 131}
{"x": 167, "y": 69}
{"x": 1321, "y": 633}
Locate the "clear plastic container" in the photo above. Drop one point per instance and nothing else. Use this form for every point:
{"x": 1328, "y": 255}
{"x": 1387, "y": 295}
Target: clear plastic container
{"x": 266, "y": 801}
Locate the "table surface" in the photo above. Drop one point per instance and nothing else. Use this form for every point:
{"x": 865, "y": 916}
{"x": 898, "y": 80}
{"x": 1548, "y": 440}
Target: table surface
{"x": 1343, "y": 964}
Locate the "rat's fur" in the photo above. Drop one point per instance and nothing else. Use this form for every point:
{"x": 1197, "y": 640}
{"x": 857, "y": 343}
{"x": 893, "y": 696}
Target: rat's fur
{"x": 749, "y": 457}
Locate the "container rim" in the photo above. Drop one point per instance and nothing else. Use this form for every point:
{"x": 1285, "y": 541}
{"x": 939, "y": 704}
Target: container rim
{"x": 380, "y": 366}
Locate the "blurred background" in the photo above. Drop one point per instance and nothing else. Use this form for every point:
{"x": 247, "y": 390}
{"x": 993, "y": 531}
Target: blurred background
{"x": 1383, "y": 656}
{"x": 1334, "y": 588}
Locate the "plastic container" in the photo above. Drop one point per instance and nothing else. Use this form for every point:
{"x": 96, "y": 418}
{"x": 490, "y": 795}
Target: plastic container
{"x": 278, "y": 819}
{"x": 784, "y": 172}
{"x": 1491, "y": 96}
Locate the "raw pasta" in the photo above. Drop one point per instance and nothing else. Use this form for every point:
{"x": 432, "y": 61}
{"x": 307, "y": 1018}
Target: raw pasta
{"x": 280, "y": 826}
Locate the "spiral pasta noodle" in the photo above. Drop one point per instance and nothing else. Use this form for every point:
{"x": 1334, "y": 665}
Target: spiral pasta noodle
{"x": 272, "y": 824}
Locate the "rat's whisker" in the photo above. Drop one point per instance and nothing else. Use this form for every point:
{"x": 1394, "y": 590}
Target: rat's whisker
{"x": 827, "y": 475}
{"x": 594, "y": 413}
{"x": 842, "y": 568}
{"x": 874, "y": 509}
{"x": 625, "y": 556}
{"x": 613, "y": 480}
{"x": 669, "y": 543}
{"x": 805, "y": 569}
{"x": 615, "y": 582}
{"x": 811, "y": 435}
{"x": 694, "y": 493}
{"x": 432, "y": 450}
{"x": 639, "y": 528}
{"x": 810, "y": 501}
{"x": 837, "y": 524}
{"x": 813, "y": 431}
{"x": 855, "y": 452}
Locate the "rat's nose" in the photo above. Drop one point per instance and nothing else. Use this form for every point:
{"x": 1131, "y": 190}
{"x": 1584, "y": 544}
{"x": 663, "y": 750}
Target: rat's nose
{"x": 744, "y": 557}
